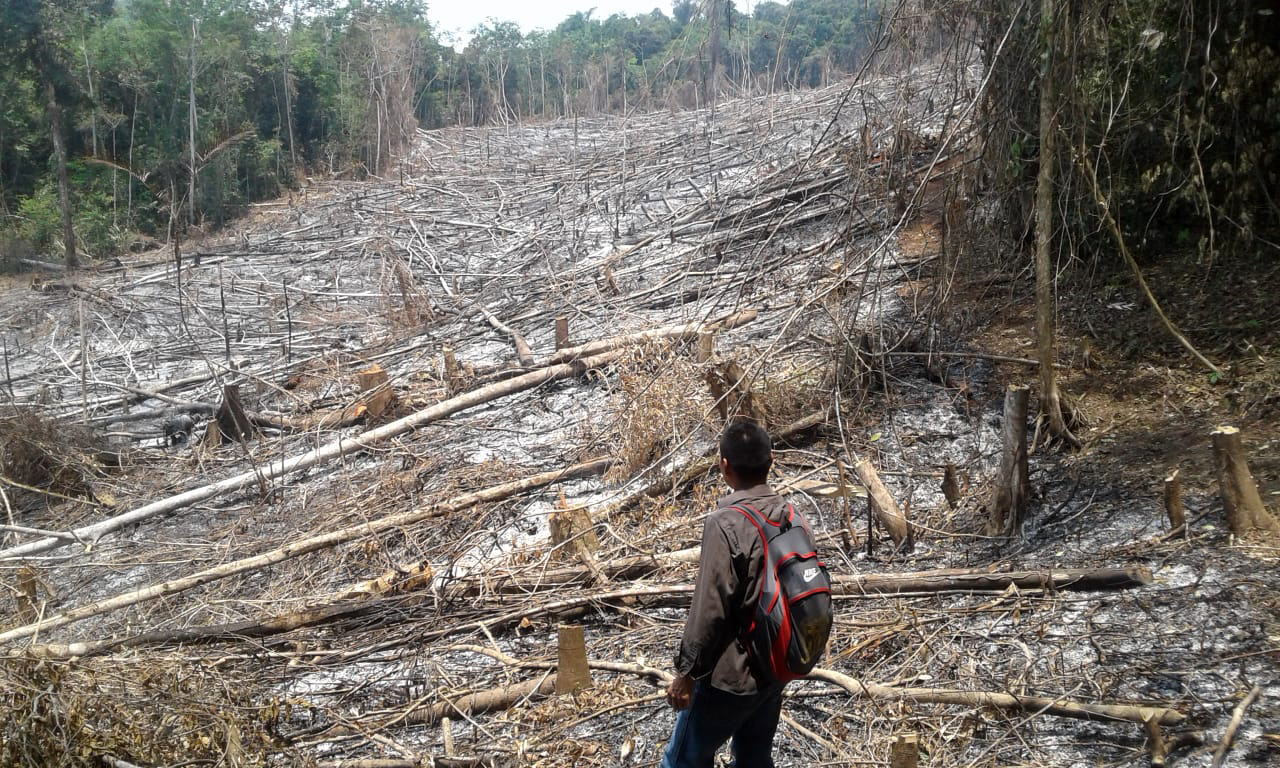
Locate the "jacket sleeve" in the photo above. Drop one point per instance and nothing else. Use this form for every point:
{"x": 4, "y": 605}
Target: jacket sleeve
{"x": 710, "y": 627}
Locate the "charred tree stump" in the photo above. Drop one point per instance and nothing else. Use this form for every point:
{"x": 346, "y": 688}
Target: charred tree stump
{"x": 882, "y": 504}
{"x": 1013, "y": 488}
{"x": 1240, "y": 497}
{"x": 951, "y": 486}
{"x": 730, "y": 390}
{"x": 231, "y": 421}
{"x": 452, "y": 373}
{"x": 26, "y": 595}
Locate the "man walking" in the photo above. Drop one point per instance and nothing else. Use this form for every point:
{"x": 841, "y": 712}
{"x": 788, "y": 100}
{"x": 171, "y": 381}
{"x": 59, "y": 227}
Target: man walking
{"x": 718, "y": 690}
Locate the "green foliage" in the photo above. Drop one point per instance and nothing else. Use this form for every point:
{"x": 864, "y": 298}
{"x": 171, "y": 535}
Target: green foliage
{"x": 98, "y": 231}
{"x": 1178, "y": 107}
{"x": 332, "y": 87}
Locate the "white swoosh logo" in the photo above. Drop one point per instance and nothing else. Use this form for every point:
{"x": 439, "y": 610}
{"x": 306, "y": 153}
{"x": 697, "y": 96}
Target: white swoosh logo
{"x": 810, "y": 574}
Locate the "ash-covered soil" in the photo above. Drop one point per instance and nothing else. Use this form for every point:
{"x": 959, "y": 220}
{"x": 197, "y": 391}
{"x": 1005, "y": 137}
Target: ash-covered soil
{"x": 784, "y": 206}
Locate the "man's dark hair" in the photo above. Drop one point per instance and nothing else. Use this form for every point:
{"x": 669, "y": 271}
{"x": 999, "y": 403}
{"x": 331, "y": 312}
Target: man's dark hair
{"x": 745, "y": 445}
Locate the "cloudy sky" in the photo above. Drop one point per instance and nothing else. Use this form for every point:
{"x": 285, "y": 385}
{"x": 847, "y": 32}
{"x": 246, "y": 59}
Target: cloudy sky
{"x": 461, "y": 16}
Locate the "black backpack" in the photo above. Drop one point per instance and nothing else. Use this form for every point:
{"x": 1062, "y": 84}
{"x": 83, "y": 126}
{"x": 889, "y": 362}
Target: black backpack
{"x": 792, "y": 620}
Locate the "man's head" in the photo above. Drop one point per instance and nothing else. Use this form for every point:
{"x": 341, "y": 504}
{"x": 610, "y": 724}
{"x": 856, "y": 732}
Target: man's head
{"x": 745, "y": 454}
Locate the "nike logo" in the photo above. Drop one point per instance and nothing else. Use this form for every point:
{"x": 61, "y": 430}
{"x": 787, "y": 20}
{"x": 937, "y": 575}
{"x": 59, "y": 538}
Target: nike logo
{"x": 810, "y": 574}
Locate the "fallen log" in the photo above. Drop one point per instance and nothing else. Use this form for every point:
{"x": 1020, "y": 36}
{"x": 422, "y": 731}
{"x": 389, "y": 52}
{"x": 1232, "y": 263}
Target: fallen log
{"x": 1061, "y": 579}
{"x": 379, "y": 595}
{"x": 440, "y": 761}
{"x": 484, "y": 701}
{"x": 949, "y": 580}
{"x": 492, "y": 699}
{"x": 1034, "y": 704}
{"x": 289, "y": 551}
{"x": 341, "y": 447}
{"x": 504, "y": 697}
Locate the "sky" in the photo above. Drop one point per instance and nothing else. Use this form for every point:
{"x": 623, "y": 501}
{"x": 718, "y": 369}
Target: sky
{"x": 461, "y": 16}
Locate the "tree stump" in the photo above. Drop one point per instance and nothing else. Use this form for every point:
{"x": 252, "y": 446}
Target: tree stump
{"x": 1240, "y": 497}
{"x": 572, "y": 672}
{"x": 25, "y": 593}
{"x": 706, "y": 346}
{"x": 562, "y": 333}
{"x": 951, "y": 486}
{"x": 574, "y": 536}
{"x": 905, "y": 751}
{"x": 730, "y": 390}
{"x": 452, "y": 373}
{"x": 374, "y": 381}
{"x": 882, "y": 504}
{"x": 230, "y": 422}
{"x": 1013, "y": 486}
{"x": 1173, "y": 503}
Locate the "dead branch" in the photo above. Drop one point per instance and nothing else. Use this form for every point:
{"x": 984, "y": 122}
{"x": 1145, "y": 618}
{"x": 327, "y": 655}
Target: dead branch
{"x": 1033, "y": 704}
{"x": 522, "y": 347}
{"x": 1237, "y": 717}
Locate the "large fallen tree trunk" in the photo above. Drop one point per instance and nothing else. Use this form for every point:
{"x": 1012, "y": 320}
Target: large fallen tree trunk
{"x": 1034, "y": 704}
{"x": 295, "y": 549}
{"x": 1065, "y": 579}
{"x": 626, "y": 568}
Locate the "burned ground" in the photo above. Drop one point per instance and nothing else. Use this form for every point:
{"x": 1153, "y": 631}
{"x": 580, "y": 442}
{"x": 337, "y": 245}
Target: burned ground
{"x": 781, "y": 207}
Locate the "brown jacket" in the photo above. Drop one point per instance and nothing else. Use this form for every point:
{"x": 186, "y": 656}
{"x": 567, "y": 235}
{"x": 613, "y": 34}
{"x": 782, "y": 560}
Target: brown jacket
{"x": 724, "y": 597}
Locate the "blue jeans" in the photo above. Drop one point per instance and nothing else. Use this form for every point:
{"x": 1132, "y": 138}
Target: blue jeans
{"x": 714, "y": 716}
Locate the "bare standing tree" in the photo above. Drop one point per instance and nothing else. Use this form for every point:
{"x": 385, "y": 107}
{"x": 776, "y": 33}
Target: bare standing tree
{"x": 1050, "y": 397}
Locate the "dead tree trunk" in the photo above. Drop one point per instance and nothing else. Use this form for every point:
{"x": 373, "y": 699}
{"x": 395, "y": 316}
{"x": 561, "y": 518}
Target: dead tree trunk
{"x": 54, "y": 115}
{"x": 231, "y": 421}
{"x": 1013, "y": 488}
{"x": 1240, "y": 497}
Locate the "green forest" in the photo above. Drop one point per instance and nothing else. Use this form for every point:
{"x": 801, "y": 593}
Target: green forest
{"x": 154, "y": 116}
